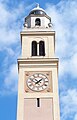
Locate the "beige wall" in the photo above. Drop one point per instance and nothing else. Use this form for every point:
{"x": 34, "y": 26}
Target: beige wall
{"x": 32, "y": 112}
{"x": 27, "y": 109}
{"x": 49, "y": 44}
{"x": 42, "y": 65}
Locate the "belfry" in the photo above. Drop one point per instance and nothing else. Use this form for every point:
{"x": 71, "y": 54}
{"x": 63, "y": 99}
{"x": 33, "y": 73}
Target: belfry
{"x": 38, "y": 97}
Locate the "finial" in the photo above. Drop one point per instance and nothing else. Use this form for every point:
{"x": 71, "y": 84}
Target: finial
{"x": 37, "y": 5}
{"x": 25, "y": 25}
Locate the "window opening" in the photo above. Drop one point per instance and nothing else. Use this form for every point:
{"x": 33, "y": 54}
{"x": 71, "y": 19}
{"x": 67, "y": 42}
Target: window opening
{"x": 38, "y": 22}
{"x": 41, "y": 48}
{"x": 38, "y": 49}
{"x": 38, "y": 102}
{"x": 34, "y": 48}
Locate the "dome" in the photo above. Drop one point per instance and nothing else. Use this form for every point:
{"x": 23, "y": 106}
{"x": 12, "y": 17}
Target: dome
{"x": 37, "y": 11}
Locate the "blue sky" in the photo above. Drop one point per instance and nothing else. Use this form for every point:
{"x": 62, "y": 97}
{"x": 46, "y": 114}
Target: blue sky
{"x": 63, "y": 14}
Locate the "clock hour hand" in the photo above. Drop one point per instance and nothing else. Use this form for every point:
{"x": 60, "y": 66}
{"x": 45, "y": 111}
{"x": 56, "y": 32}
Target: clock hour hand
{"x": 34, "y": 80}
{"x": 38, "y": 81}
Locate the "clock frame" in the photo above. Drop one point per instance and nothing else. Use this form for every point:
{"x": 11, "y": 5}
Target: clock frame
{"x": 35, "y": 81}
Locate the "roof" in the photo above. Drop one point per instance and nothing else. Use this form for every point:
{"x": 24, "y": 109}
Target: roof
{"x": 37, "y": 10}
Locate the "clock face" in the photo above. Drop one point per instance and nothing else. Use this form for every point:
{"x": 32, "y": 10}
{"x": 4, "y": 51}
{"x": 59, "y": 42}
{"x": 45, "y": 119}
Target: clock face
{"x": 37, "y": 82}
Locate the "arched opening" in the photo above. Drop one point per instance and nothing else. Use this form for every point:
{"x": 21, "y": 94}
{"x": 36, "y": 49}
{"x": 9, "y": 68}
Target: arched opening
{"x": 38, "y": 22}
{"x": 34, "y": 48}
{"x": 41, "y": 48}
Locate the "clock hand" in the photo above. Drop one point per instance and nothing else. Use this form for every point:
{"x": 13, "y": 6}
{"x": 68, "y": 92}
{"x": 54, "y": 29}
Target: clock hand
{"x": 34, "y": 80}
{"x": 38, "y": 81}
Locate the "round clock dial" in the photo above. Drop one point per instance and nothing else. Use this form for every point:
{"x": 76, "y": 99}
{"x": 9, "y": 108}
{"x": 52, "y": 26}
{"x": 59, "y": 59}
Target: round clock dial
{"x": 37, "y": 82}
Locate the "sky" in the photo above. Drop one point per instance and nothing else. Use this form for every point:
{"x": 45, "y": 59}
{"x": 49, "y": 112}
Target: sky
{"x": 63, "y": 15}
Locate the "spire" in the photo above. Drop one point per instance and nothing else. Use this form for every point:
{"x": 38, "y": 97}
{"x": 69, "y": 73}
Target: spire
{"x": 37, "y": 5}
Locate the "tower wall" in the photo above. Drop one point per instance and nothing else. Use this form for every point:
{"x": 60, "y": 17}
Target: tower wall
{"x": 38, "y": 97}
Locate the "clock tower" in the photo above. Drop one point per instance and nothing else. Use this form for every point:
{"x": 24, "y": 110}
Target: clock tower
{"x": 38, "y": 97}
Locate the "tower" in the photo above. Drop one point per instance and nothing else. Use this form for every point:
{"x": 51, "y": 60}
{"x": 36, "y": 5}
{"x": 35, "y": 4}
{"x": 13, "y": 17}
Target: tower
{"x": 38, "y": 69}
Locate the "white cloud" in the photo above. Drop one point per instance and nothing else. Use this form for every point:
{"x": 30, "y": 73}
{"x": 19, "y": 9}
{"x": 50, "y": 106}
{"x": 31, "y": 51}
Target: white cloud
{"x": 69, "y": 104}
{"x": 9, "y": 51}
{"x": 11, "y": 22}
{"x": 64, "y": 18}
{"x": 9, "y": 25}
{"x": 75, "y": 118}
{"x": 11, "y": 81}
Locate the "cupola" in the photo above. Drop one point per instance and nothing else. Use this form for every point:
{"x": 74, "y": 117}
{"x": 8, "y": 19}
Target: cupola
{"x": 37, "y": 18}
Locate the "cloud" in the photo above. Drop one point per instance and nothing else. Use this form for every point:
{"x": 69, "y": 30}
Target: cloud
{"x": 11, "y": 21}
{"x": 69, "y": 66}
{"x": 10, "y": 83}
{"x": 9, "y": 25}
{"x": 11, "y": 77}
{"x": 69, "y": 104}
{"x": 75, "y": 118}
{"x": 64, "y": 18}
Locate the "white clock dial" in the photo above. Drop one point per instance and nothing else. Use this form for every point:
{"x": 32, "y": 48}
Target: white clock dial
{"x": 37, "y": 82}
